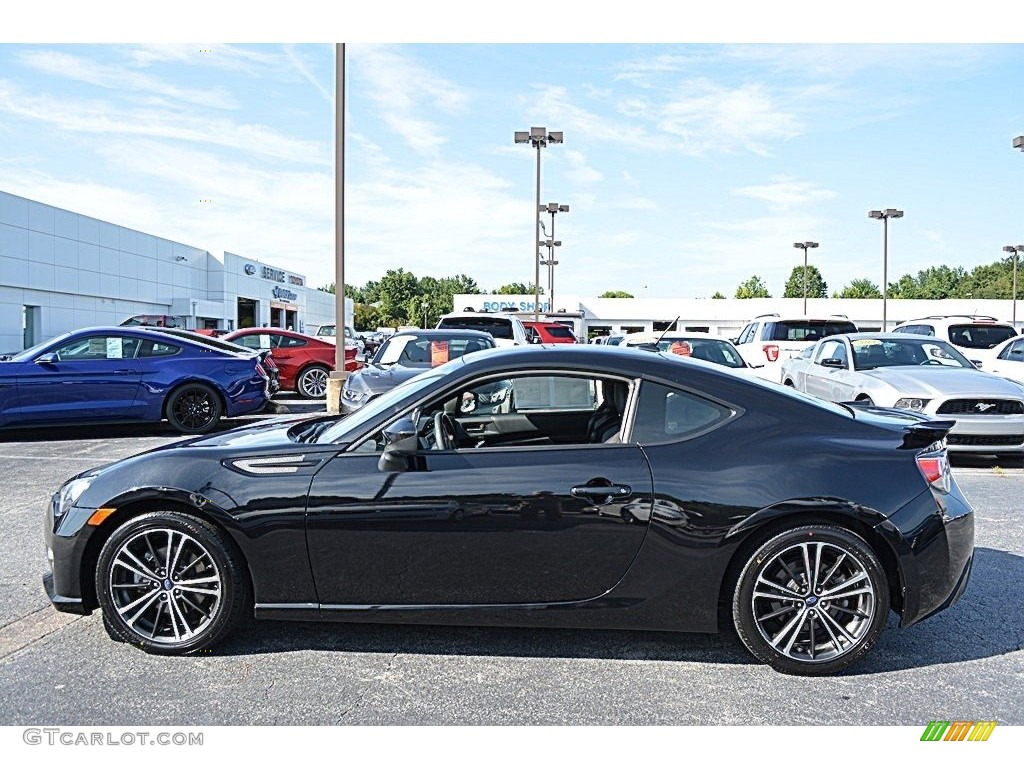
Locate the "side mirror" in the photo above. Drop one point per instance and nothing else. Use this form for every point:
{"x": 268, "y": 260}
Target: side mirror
{"x": 48, "y": 359}
{"x": 402, "y": 441}
{"x": 833, "y": 362}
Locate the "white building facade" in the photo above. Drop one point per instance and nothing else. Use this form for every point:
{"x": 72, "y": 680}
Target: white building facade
{"x": 61, "y": 270}
{"x": 727, "y": 317}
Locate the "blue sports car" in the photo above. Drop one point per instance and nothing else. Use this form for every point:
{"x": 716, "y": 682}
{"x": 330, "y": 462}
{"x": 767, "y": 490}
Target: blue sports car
{"x": 126, "y": 374}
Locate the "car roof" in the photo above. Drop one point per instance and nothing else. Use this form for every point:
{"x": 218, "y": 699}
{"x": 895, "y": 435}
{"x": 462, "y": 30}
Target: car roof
{"x": 672, "y": 335}
{"x": 443, "y": 333}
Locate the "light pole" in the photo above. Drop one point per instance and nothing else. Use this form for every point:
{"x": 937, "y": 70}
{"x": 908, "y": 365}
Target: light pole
{"x": 1015, "y": 250}
{"x": 888, "y": 213}
{"x": 805, "y": 246}
{"x": 538, "y": 137}
{"x": 552, "y": 208}
{"x": 550, "y": 263}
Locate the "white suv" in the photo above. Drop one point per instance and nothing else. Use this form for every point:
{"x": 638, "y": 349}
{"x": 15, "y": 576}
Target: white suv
{"x": 507, "y": 330}
{"x": 769, "y": 340}
{"x": 973, "y": 335}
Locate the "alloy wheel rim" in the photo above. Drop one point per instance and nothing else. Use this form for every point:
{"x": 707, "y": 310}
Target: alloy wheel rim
{"x": 194, "y": 409}
{"x": 813, "y": 602}
{"x": 315, "y": 382}
{"x": 165, "y": 586}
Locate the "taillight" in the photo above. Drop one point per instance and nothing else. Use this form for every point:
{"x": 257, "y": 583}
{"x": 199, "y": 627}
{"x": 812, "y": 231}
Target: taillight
{"x": 261, "y": 371}
{"x": 935, "y": 468}
{"x": 771, "y": 351}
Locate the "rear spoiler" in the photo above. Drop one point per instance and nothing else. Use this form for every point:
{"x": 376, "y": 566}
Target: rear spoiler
{"x": 924, "y": 433}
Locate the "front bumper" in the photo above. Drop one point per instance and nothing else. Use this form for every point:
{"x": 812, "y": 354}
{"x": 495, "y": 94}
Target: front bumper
{"x": 935, "y": 550}
{"x": 986, "y": 434}
{"x": 63, "y": 584}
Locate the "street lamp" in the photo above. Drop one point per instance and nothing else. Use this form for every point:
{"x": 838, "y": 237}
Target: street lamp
{"x": 1015, "y": 250}
{"x": 888, "y": 213}
{"x": 805, "y": 246}
{"x": 538, "y": 137}
{"x": 552, "y": 208}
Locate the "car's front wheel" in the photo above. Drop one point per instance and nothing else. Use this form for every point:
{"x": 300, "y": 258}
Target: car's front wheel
{"x": 312, "y": 382}
{"x": 170, "y": 583}
{"x": 812, "y": 600}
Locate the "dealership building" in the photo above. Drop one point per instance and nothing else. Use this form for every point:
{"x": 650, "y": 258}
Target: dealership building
{"x": 61, "y": 270}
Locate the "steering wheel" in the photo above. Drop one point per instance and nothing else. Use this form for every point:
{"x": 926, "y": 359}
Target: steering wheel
{"x": 930, "y": 361}
{"x": 444, "y": 431}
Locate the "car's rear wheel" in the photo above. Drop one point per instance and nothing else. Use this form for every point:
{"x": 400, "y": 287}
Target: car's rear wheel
{"x": 170, "y": 583}
{"x": 194, "y": 409}
{"x": 811, "y": 601}
{"x": 866, "y": 400}
{"x": 312, "y": 382}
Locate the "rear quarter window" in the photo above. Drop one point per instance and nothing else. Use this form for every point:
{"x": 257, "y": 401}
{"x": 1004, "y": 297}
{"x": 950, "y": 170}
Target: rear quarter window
{"x": 806, "y": 330}
{"x": 980, "y": 336}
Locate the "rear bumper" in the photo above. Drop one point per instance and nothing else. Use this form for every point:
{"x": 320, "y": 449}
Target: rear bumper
{"x": 935, "y": 552}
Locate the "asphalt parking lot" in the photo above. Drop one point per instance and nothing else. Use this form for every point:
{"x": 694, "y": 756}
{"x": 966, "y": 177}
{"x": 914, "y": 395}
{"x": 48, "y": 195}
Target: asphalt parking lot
{"x": 966, "y": 663}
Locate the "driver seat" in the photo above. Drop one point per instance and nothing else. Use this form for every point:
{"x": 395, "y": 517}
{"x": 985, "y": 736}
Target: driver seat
{"x": 607, "y": 418}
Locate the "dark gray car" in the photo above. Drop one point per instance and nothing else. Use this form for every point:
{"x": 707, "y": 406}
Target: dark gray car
{"x": 407, "y": 354}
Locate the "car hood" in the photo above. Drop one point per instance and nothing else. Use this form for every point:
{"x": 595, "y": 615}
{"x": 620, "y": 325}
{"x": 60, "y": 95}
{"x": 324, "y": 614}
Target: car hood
{"x": 935, "y": 381}
{"x": 377, "y": 379}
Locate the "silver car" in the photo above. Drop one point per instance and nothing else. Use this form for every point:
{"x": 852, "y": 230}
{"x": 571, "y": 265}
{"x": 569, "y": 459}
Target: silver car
{"x": 916, "y": 373}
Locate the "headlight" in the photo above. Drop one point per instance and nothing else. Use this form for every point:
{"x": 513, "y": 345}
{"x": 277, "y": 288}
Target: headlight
{"x": 911, "y": 403}
{"x": 355, "y": 396}
{"x": 71, "y": 491}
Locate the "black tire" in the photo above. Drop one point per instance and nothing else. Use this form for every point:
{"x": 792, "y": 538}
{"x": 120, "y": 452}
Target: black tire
{"x": 789, "y": 383}
{"x": 311, "y": 382}
{"x": 776, "y": 622}
{"x": 148, "y": 606}
{"x": 866, "y": 400}
{"x": 194, "y": 409}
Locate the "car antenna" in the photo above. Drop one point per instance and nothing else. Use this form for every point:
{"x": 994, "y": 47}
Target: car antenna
{"x": 667, "y": 327}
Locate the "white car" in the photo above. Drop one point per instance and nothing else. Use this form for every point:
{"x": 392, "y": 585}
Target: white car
{"x": 767, "y": 341}
{"x": 1008, "y": 359}
{"x": 692, "y": 344}
{"x": 507, "y": 330}
{"x": 916, "y": 373}
{"x": 976, "y": 336}
{"x": 328, "y": 332}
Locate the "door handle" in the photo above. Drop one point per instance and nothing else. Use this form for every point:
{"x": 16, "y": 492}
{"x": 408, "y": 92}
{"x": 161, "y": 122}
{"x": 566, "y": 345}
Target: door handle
{"x": 603, "y": 493}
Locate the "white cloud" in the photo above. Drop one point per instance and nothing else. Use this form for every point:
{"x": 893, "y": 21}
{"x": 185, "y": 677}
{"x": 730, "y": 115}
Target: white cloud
{"x": 403, "y": 90}
{"x": 121, "y": 78}
{"x": 579, "y": 172}
{"x": 786, "y": 192}
{"x": 100, "y": 117}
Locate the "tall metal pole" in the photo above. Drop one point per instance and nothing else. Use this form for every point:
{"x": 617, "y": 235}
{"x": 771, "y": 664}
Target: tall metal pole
{"x": 805, "y": 279}
{"x": 1016, "y": 256}
{"x": 885, "y": 270}
{"x": 536, "y": 239}
{"x": 551, "y": 267}
{"x": 339, "y": 214}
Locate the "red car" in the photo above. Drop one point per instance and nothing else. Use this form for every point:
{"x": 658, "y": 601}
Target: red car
{"x": 549, "y": 333}
{"x": 305, "y": 362}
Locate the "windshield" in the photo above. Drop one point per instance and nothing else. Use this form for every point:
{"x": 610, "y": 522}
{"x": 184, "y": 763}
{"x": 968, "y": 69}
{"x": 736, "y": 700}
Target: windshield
{"x": 808, "y": 330}
{"x": 977, "y": 336}
{"x": 869, "y": 354}
{"x": 498, "y": 327}
{"x": 557, "y": 331}
{"x": 419, "y": 352}
{"x": 32, "y": 352}
{"x": 349, "y": 425}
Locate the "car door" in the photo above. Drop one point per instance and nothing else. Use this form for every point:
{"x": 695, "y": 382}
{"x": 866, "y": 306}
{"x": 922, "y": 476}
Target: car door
{"x": 90, "y": 377}
{"x": 825, "y": 381}
{"x": 1010, "y": 362}
{"x": 528, "y": 523}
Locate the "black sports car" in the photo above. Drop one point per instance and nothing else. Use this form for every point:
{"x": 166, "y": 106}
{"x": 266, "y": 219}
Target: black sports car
{"x": 613, "y": 488}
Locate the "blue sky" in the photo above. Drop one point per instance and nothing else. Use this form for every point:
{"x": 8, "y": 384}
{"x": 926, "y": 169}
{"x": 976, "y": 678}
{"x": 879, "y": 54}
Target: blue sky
{"x": 687, "y": 167}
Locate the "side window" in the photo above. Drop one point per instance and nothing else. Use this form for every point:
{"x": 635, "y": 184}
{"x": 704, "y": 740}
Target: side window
{"x": 289, "y": 342}
{"x": 832, "y": 350}
{"x": 1014, "y": 351}
{"x": 746, "y": 335}
{"x": 906, "y": 329}
{"x": 98, "y": 348}
{"x": 926, "y": 330}
{"x": 664, "y": 413}
{"x": 158, "y": 349}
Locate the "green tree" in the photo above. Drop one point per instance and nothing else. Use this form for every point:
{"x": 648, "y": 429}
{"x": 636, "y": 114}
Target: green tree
{"x": 616, "y": 295}
{"x": 397, "y": 290}
{"x": 516, "y": 289}
{"x": 861, "y": 288}
{"x": 816, "y": 286}
{"x": 718, "y": 295}
{"x": 368, "y": 317}
{"x": 753, "y": 288}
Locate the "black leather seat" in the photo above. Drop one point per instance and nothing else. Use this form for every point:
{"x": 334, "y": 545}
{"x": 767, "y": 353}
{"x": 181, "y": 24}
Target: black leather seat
{"x": 607, "y": 418}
